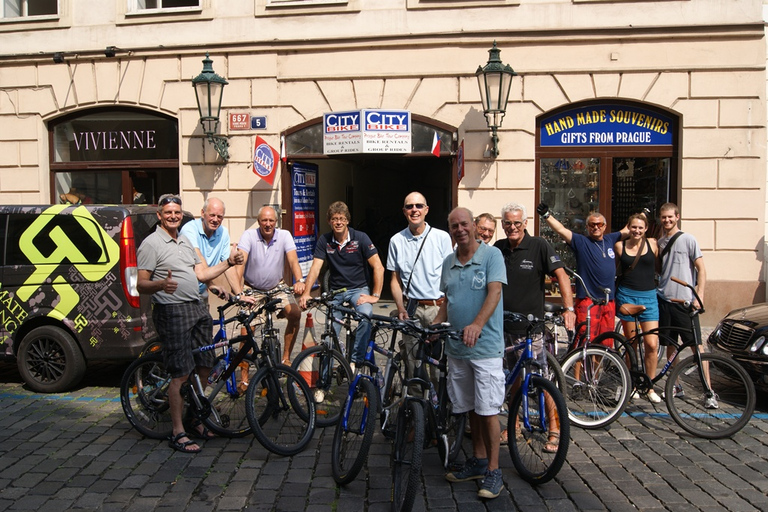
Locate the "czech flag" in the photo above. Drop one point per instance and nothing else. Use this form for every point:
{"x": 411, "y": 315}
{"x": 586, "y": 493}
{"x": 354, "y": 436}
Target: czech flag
{"x": 265, "y": 159}
{"x": 436, "y": 145}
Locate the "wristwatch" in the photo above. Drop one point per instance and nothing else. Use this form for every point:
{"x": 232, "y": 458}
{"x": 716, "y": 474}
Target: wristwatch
{"x": 376, "y": 295}
{"x": 302, "y": 280}
{"x": 570, "y": 308}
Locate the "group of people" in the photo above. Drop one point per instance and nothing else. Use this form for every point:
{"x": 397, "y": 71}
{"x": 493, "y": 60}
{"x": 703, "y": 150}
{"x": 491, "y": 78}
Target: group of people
{"x": 436, "y": 276}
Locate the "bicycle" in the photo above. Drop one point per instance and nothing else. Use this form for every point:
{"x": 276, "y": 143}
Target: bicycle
{"x": 327, "y": 363}
{"x": 708, "y": 395}
{"x": 598, "y": 382}
{"x": 536, "y": 408}
{"x": 278, "y": 407}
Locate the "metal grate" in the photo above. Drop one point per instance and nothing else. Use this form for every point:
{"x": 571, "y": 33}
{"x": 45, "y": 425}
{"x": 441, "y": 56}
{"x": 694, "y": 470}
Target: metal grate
{"x": 734, "y": 336}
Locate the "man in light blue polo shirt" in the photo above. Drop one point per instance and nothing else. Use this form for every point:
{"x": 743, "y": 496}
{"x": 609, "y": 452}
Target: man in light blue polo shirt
{"x": 472, "y": 279}
{"x": 266, "y": 250}
{"x": 415, "y": 258}
{"x": 210, "y": 238}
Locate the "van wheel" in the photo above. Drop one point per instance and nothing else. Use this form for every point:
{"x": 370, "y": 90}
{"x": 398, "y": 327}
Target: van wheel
{"x": 49, "y": 360}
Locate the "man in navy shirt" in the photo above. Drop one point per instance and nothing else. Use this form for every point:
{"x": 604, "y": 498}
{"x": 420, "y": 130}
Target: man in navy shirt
{"x": 349, "y": 253}
{"x": 595, "y": 263}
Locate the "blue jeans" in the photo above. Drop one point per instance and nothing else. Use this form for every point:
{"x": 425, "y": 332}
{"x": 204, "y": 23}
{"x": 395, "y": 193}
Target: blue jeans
{"x": 363, "y": 328}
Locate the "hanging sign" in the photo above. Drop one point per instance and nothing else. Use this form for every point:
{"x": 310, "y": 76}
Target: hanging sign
{"x": 367, "y": 131}
{"x": 607, "y": 125}
{"x": 305, "y": 212}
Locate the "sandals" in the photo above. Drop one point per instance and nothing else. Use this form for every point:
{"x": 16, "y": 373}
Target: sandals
{"x": 193, "y": 425}
{"x": 504, "y": 437}
{"x": 177, "y": 445}
{"x": 553, "y": 443}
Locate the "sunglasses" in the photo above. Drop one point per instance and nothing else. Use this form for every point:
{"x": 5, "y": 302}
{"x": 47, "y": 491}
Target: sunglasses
{"x": 596, "y": 224}
{"x": 169, "y": 199}
{"x": 418, "y": 206}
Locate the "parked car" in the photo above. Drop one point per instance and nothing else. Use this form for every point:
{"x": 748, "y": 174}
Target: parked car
{"x": 743, "y": 334}
{"x": 68, "y": 289}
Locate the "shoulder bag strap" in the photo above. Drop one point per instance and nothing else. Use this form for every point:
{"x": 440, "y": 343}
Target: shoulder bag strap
{"x": 408, "y": 286}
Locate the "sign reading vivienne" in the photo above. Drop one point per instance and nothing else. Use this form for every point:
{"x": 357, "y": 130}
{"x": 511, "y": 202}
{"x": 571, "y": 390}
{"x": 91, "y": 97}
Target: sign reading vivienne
{"x": 367, "y": 131}
{"x": 607, "y": 125}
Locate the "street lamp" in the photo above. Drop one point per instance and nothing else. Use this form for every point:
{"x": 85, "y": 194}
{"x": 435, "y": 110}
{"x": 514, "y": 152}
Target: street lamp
{"x": 495, "y": 80}
{"x": 208, "y": 90}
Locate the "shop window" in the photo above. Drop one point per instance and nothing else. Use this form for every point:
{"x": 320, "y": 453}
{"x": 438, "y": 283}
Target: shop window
{"x": 114, "y": 157}
{"x": 27, "y": 8}
{"x": 639, "y": 184}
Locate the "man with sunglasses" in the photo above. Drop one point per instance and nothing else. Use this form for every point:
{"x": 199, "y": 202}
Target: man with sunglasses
{"x": 595, "y": 263}
{"x": 170, "y": 269}
{"x": 415, "y": 258}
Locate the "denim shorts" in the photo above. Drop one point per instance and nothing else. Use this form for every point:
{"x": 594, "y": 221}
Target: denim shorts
{"x": 641, "y": 298}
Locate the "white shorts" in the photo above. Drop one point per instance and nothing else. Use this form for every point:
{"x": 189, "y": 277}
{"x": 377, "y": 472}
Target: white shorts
{"x": 476, "y": 385}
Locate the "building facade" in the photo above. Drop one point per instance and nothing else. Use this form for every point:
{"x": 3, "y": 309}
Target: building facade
{"x": 617, "y": 106}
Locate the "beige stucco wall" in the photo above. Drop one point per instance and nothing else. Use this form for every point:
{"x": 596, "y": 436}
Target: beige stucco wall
{"x": 710, "y": 71}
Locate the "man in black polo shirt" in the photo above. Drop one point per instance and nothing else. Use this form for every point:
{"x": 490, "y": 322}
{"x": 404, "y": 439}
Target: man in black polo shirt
{"x": 349, "y": 253}
{"x": 528, "y": 260}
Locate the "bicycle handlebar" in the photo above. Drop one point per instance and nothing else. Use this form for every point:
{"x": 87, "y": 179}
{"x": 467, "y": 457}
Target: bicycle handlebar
{"x": 688, "y": 303}
{"x": 597, "y": 302}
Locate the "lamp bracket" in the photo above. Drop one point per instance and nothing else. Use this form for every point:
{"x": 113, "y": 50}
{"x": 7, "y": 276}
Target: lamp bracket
{"x": 221, "y": 145}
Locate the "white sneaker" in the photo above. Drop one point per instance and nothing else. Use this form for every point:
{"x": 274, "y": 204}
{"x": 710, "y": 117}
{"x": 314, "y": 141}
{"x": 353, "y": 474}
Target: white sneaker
{"x": 352, "y": 366}
{"x": 652, "y": 397}
{"x": 711, "y": 403}
{"x": 319, "y": 396}
{"x": 634, "y": 395}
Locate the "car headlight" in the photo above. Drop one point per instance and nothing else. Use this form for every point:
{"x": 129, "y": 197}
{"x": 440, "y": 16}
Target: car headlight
{"x": 765, "y": 349}
{"x": 758, "y": 344}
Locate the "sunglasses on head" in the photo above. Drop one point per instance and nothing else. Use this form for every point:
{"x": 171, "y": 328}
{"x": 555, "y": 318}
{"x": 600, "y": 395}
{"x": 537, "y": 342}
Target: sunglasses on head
{"x": 418, "y": 206}
{"x": 169, "y": 199}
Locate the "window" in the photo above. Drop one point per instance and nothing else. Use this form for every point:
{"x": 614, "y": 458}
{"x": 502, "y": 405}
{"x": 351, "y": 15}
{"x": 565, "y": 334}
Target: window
{"x": 144, "y": 5}
{"x": 26, "y": 8}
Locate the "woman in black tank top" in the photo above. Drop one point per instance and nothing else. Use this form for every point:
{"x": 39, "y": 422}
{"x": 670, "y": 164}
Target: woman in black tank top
{"x": 637, "y": 260}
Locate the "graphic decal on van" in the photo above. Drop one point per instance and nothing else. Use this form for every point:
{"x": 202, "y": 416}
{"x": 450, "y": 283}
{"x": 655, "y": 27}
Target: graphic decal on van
{"x": 73, "y": 261}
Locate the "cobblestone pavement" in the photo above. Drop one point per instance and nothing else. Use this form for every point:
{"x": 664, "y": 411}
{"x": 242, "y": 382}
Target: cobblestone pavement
{"x": 76, "y": 451}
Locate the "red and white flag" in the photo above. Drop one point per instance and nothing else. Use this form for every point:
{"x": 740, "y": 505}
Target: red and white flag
{"x": 436, "y": 145}
{"x": 265, "y": 159}
{"x": 282, "y": 148}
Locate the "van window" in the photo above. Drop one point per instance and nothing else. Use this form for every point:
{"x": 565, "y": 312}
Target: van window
{"x": 77, "y": 239}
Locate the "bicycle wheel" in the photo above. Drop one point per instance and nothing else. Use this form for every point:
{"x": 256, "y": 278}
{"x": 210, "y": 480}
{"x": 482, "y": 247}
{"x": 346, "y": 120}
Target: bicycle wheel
{"x": 228, "y": 416}
{"x": 280, "y": 410}
{"x": 391, "y": 396}
{"x": 546, "y": 412}
{"x": 453, "y": 433}
{"x": 734, "y": 397}
{"x": 406, "y": 460}
{"x": 597, "y": 386}
{"x": 327, "y": 373}
{"x": 144, "y": 397}
{"x": 354, "y": 432}
{"x": 555, "y": 373}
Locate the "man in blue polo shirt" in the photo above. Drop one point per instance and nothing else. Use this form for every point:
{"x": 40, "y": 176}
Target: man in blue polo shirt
{"x": 210, "y": 238}
{"x": 349, "y": 253}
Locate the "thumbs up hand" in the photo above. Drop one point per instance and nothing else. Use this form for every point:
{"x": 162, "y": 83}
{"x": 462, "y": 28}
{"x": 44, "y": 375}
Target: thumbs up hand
{"x": 169, "y": 285}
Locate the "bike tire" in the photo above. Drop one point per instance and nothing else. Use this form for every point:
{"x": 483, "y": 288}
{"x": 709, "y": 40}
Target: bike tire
{"x": 280, "y": 410}
{"x": 391, "y": 396}
{"x": 354, "y": 432}
{"x": 527, "y": 446}
{"x": 453, "y": 431}
{"x": 735, "y": 396}
{"x": 144, "y": 397}
{"x": 328, "y": 381}
{"x": 596, "y": 397}
{"x": 407, "y": 452}
{"x": 228, "y": 417}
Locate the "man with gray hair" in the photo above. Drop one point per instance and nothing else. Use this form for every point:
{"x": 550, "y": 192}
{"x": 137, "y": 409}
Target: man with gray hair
{"x": 266, "y": 250}
{"x": 210, "y": 238}
{"x": 595, "y": 263}
{"x": 528, "y": 260}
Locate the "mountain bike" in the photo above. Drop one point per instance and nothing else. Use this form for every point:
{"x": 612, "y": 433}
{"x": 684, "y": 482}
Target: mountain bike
{"x": 708, "y": 395}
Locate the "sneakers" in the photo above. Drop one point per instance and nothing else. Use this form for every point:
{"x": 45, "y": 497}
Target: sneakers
{"x": 678, "y": 392}
{"x": 711, "y": 402}
{"x": 352, "y": 367}
{"x": 634, "y": 395}
{"x": 652, "y": 397}
{"x": 319, "y": 396}
{"x": 579, "y": 391}
{"x": 492, "y": 485}
{"x": 473, "y": 469}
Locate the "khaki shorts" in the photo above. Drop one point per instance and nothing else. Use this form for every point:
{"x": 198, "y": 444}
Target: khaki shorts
{"x": 476, "y": 385}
